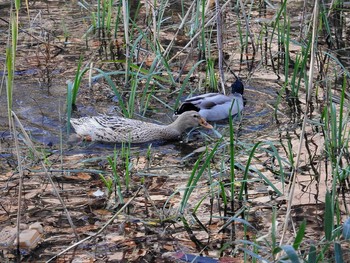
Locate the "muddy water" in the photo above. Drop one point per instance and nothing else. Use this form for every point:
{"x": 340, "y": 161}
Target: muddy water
{"x": 42, "y": 113}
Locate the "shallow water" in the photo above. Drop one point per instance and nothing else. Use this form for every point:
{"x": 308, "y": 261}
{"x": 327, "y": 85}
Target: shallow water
{"x": 42, "y": 112}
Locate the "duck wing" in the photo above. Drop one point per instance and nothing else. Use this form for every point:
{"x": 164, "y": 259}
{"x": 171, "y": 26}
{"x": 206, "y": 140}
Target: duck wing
{"x": 197, "y": 98}
{"x": 212, "y": 100}
{"x": 136, "y": 131}
{"x": 221, "y": 109}
{"x": 213, "y": 106}
{"x": 205, "y": 101}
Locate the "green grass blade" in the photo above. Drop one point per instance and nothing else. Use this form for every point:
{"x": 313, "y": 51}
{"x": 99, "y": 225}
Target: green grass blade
{"x": 312, "y": 254}
{"x": 9, "y": 84}
{"x": 341, "y": 113}
{"x": 328, "y": 217}
{"x": 77, "y": 81}
{"x": 69, "y": 104}
{"x": 14, "y": 32}
{"x": 338, "y": 253}
{"x": 292, "y": 254}
{"x": 300, "y": 235}
{"x": 116, "y": 92}
{"x": 245, "y": 176}
{"x": 177, "y": 101}
{"x": 195, "y": 176}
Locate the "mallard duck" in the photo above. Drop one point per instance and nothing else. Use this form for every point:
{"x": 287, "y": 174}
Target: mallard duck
{"x": 118, "y": 129}
{"x": 216, "y": 106}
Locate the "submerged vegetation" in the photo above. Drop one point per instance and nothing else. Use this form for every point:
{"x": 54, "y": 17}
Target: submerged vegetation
{"x": 271, "y": 185}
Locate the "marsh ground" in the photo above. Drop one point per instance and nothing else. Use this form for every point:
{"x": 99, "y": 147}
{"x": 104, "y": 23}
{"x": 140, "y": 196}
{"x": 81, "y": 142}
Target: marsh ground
{"x": 53, "y": 37}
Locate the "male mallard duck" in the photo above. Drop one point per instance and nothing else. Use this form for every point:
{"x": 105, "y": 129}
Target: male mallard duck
{"x": 118, "y": 129}
{"x": 216, "y": 106}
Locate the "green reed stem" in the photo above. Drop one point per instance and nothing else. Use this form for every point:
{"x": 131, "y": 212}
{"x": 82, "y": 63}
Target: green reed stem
{"x": 11, "y": 60}
{"x": 114, "y": 88}
{"x": 117, "y": 182}
{"x": 196, "y": 175}
{"x": 213, "y": 82}
{"x": 245, "y": 176}
{"x": 99, "y": 18}
{"x": 277, "y": 19}
{"x": 232, "y": 159}
{"x": 109, "y": 16}
{"x": 128, "y": 164}
{"x": 144, "y": 101}
{"x": 286, "y": 49}
{"x": 126, "y": 16}
{"x": 117, "y": 20}
{"x": 329, "y": 216}
{"x": 341, "y": 113}
{"x": 189, "y": 74}
{"x": 108, "y": 182}
{"x": 132, "y": 96}
{"x": 69, "y": 105}
{"x": 77, "y": 80}
{"x": 9, "y": 84}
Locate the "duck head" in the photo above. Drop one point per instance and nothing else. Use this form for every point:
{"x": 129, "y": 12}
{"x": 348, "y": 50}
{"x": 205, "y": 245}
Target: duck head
{"x": 237, "y": 87}
{"x": 190, "y": 119}
{"x": 186, "y": 107}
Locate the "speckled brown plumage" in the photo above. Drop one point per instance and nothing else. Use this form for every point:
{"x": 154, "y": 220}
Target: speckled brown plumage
{"x": 118, "y": 129}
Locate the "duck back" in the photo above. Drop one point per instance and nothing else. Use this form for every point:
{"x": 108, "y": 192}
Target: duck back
{"x": 118, "y": 129}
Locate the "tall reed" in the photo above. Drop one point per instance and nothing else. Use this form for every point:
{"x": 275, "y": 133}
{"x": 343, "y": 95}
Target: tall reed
{"x": 116, "y": 177}
{"x": 11, "y": 59}
{"x": 9, "y": 82}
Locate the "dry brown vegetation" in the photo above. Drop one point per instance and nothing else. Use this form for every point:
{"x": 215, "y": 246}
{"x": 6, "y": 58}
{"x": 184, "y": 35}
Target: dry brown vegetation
{"x": 236, "y": 199}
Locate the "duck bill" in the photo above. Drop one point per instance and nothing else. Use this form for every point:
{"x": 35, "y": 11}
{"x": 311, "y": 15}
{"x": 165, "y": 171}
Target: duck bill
{"x": 203, "y": 122}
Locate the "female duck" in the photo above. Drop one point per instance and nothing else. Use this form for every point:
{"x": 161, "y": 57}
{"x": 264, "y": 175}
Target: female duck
{"x": 216, "y": 106}
{"x": 118, "y": 129}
